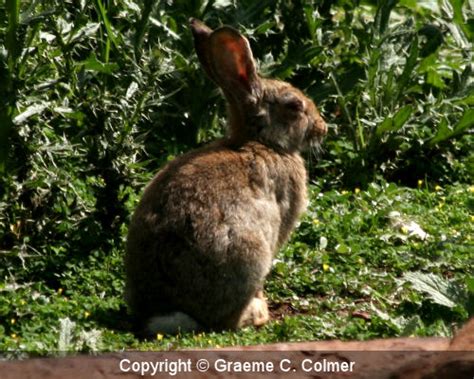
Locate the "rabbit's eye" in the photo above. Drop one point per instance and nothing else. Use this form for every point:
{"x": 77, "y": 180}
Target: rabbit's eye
{"x": 293, "y": 103}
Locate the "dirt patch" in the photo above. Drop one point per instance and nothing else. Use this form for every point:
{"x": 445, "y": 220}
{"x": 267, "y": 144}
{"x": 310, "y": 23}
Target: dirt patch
{"x": 280, "y": 310}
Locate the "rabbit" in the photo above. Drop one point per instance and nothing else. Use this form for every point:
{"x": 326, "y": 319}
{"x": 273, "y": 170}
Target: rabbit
{"x": 204, "y": 234}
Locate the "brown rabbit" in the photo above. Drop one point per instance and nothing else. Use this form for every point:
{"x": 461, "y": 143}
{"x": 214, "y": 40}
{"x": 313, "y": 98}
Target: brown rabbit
{"x": 203, "y": 237}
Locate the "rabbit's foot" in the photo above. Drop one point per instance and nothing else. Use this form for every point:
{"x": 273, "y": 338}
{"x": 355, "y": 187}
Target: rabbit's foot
{"x": 256, "y": 312}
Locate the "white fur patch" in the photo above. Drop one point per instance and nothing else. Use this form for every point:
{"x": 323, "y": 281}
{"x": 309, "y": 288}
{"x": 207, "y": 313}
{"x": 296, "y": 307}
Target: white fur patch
{"x": 171, "y": 323}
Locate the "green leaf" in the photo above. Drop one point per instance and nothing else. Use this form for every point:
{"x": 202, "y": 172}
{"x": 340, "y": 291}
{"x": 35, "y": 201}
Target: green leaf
{"x": 402, "y": 116}
{"x": 444, "y": 132}
{"x": 470, "y": 284}
{"x": 12, "y": 43}
{"x": 428, "y": 63}
{"x": 85, "y": 31}
{"x": 466, "y": 122}
{"x": 310, "y": 20}
{"x": 383, "y": 14}
{"x": 343, "y": 248}
{"x": 108, "y": 25}
{"x": 435, "y": 79}
{"x": 458, "y": 16}
{"x": 439, "y": 290}
{"x": 409, "y": 66}
{"x": 384, "y": 126}
{"x": 468, "y": 100}
{"x": 93, "y": 64}
{"x": 395, "y": 123}
{"x": 412, "y": 4}
{"x": 264, "y": 27}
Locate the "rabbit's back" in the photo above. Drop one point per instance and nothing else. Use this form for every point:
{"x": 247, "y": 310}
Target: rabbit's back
{"x": 218, "y": 187}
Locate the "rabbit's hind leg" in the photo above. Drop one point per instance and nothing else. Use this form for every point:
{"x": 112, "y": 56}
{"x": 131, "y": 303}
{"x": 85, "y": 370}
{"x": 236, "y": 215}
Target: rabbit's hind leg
{"x": 171, "y": 323}
{"x": 256, "y": 312}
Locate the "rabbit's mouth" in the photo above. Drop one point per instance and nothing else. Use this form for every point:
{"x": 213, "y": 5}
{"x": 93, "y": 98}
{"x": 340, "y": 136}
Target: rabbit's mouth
{"x": 316, "y": 131}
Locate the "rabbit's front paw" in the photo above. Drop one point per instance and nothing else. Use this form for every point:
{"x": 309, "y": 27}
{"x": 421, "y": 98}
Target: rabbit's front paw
{"x": 256, "y": 312}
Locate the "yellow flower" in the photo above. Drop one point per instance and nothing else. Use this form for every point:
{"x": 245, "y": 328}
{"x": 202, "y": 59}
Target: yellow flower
{"x": 22, "y": 302}
{"x": 356, "y": 190}
{"x": 13, "y": 335}
{"x": 60, "y": 291}
{"x": 438, "y": 188}
{"x": 344, "y": 192}
{"x": 325, "y": 267}
{"x": 472, "y": 218}
{"x": 404, "y": 229}
{"x": 360, "y": 260}
{"x": 12, "y": 321}
{"x": 159, "y": 336}
{"x": 316, "y": 221}
{"x": 471, "y": 189}
{"x": 420, "y": 183}
{"x": 86, "y": 314}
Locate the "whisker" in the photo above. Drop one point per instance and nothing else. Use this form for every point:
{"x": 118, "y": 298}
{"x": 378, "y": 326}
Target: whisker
{"x": 315, "y": 151}
{"x": 316, "y": 148}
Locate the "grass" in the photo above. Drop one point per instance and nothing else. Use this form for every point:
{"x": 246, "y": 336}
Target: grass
{"x": 349, "y": 272}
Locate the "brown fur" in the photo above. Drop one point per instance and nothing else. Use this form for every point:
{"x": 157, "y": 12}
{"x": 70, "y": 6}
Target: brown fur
{"x": 203, "y": 237}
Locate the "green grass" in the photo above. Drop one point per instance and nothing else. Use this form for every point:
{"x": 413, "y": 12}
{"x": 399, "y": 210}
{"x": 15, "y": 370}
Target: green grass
{"x": 342, "y": 275}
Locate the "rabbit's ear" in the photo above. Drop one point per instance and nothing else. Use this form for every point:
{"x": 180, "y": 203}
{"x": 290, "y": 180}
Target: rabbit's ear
{"x": 201, "y": 33}
{"x": 232, "y": 63}
{"x": 227, "y": 59}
